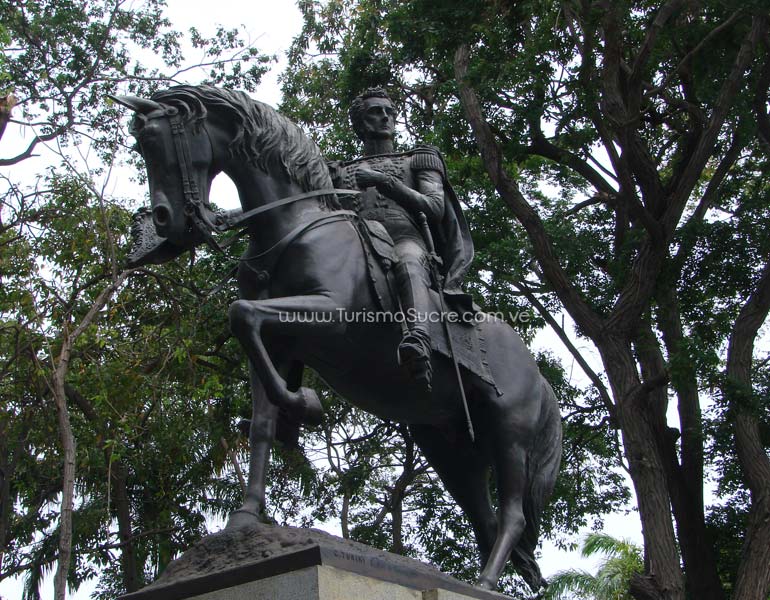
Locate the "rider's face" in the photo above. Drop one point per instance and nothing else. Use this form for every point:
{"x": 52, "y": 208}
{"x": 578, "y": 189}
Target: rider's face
{"x": 379, "y": 118}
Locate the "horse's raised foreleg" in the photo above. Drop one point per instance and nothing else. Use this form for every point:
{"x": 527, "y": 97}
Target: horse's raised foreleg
{"x": 261, "y": 434}
{"x": 292, "y": 316}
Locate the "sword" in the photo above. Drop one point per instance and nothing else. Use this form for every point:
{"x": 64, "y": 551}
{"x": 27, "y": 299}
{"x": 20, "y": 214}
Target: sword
{"x": 428, "y": 237}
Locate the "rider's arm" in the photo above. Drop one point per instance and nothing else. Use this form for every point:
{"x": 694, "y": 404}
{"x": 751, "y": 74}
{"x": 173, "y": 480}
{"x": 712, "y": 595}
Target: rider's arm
{"x": 428, "y": 198}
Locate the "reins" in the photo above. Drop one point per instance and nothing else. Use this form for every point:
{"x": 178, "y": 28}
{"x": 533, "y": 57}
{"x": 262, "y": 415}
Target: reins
{"x": 193, "y": 205}
{"x": 280, "y": 246}
{"x": 225, "y": 223}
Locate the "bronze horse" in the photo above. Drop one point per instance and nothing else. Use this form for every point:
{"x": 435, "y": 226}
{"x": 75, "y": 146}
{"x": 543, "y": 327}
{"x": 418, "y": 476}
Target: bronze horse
{"x": 290, "y": 315}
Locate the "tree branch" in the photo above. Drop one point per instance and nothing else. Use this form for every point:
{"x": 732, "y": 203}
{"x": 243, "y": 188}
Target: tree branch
{"x": 691, "y": 54}
{"x": 590, "y": 373}
{"x": 597, "y": 199}
{"x": 543, "y": 147}
{"x": 707, "y": 200}
{"x": 753, "y": 582}
{"x": 509, "y": 191}
{"x": 666, "y": 12}
{"x": 705, "y": 145}
{"x": 7, "y": 103}
{"x": 621, "y": 102}
{"x": 760, "y": 103}
{"x": 58, "y": 389}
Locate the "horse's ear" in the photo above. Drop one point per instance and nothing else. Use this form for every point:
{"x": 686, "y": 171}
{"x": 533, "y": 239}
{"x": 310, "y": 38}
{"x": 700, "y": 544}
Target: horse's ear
{"x": 143, "y": 106}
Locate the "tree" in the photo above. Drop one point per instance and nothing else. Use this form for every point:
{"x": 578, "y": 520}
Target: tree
{"x": 62, "y": 279}
{"x": 62, "y": 58}
{"x": 622, "y": 561}
{"x": 149, "y": 399}
{"x": 628, "y": 143}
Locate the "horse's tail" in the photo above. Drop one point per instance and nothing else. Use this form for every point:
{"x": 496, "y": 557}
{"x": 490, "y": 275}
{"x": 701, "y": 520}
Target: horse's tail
{"x": 542, "y": 468}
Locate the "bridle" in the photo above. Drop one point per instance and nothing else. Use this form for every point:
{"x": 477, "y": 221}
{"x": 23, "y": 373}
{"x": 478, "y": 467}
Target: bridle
{"x": 195, "y": 208}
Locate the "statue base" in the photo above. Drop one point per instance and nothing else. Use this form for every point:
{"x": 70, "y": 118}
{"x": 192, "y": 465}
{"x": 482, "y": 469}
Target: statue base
{"x": 263, "y": 562}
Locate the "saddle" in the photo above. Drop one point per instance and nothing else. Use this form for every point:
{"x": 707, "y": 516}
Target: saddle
{"x": 464, "y": 326}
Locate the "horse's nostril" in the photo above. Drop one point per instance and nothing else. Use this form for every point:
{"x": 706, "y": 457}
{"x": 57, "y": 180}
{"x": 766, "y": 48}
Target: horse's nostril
{"x": 161, "y": 215}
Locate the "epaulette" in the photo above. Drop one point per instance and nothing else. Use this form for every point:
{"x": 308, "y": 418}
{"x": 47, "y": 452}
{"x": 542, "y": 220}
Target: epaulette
{"x": 427, "y": 158}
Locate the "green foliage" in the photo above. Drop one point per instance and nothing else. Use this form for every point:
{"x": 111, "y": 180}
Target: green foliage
{"x": 622, "y": 561}
{"x": 62, "y": 58}
{"x": 598, "y": 153}
{"x": 154, "y": 385}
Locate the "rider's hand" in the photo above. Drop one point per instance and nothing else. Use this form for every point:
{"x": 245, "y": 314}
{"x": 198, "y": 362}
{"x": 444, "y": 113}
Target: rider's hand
{"x": 367, "y": 178}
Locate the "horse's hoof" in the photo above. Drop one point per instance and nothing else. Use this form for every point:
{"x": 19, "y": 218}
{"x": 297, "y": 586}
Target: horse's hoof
{"x": 486, "y": 584}
{"x": 243, "y": 518}
{"x": 310, "y": 410}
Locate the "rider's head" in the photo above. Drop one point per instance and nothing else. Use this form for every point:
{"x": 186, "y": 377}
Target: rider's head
{"x": 373, "y": 115}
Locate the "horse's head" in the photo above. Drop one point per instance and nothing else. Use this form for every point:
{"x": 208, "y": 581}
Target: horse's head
{"x": 187, "y": 134}
{"x": 178, "y": 156}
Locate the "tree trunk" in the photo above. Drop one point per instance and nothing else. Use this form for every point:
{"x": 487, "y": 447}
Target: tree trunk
{"x": 753, "y": 582}
{"x": 345, "y": 515}
{"x": 701, "y": 574}
{"x": 58, "y": 390}
{"x": 131, "y": 576}
{"x": 647, "y": 472}
{"x": 67, "y": 439}
{"x": 397, "y": 524}
{"x": 119, "y": 482}
{"x": 7, "y": 103}
{"x": 400, "y": 487}
{"x": 6, "y": 474}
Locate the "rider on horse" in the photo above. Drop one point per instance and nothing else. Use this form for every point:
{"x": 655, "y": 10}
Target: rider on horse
{"x": 402, "y": 190}
{"x": 190, "y": 134}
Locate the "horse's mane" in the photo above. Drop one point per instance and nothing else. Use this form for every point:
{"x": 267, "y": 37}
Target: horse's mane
{"x": 264, "y": 137}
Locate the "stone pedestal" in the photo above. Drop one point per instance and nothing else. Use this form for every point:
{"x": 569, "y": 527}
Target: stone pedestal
{"x": 325, "y": 583}
{"x": 282, "y": 563}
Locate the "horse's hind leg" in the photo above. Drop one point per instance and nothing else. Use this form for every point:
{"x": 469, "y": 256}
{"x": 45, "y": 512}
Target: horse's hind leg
{"x": 465, "y": 474}
{"x": 261, "y": 434}
{"x": 511, "y": 470}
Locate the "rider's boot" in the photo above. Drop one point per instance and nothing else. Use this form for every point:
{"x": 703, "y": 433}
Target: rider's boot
{"x": 414, "y": 350}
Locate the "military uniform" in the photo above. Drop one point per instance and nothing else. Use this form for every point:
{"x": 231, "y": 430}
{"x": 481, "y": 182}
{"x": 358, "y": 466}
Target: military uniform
{"x": 417, "y": 181}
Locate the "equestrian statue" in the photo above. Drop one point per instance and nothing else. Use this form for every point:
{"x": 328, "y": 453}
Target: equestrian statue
{"x": 383, "y": 234}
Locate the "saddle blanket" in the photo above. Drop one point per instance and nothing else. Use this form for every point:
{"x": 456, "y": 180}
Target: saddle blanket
{"x": 468, "y": 343}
